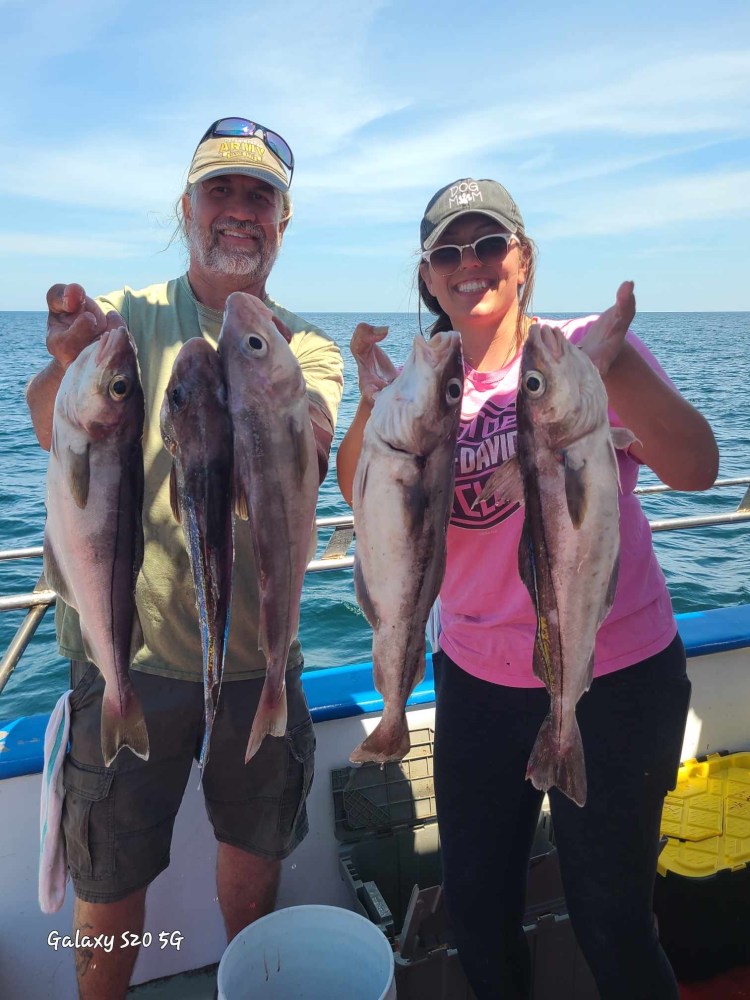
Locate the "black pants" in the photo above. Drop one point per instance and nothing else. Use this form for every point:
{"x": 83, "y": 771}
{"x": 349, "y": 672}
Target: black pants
{"x": 632, "y": 723}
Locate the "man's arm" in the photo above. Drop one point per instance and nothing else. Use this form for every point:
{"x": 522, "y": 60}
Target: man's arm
{"x": 323, "y": 440}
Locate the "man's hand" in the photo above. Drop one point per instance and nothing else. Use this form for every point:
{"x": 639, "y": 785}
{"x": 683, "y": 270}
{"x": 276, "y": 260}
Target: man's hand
{"x": 606, "y": 336}
{"x": 283, "y": 329}
{"x": 74, "y": 322}
{"x": 374, "y": 367}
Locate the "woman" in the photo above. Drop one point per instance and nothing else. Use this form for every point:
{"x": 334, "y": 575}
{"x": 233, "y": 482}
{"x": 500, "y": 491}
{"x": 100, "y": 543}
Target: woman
{"x": 476, "y": 275}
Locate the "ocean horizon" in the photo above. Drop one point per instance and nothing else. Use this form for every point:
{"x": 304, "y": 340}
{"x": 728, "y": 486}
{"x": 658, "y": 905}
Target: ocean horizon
{"x": 706, "y": 354}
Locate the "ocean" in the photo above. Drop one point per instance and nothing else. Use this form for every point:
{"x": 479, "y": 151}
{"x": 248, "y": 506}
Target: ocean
{"x": 707, "y": 355}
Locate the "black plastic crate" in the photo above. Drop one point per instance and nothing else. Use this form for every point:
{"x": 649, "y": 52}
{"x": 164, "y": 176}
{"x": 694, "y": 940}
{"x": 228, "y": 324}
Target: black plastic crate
{"x": 390, "y": 860}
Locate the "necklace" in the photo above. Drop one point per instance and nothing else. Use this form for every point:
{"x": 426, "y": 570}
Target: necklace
{"x": 513, "y": 350}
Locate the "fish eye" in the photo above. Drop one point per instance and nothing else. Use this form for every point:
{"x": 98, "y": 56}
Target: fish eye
{"x": 256, "y": 345}
{"x": 453, "y": 390}
{"x": 119, "y": 386}
{"x": 177, "y": 396}
{"x": 534, "y": 383}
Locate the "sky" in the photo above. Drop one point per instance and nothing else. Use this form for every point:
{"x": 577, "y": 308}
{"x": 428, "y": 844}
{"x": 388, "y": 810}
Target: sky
{"x": 622, "y": 131}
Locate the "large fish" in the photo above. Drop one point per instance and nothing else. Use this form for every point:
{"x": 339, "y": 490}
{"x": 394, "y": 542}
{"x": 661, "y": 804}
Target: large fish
{"x": 275, "y": 483}
{"x": 197, "y": 432}
{"x": 566, "y": 474}
{"x": 93, "y": 539}
{"x": 402, "y": 497}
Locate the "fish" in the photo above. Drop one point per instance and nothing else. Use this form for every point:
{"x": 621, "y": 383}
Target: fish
{"x": 401, "y": 501}
{"x": 565, "y": 473}
{"x": 275, "y": 484}
{"x": 197, "y": 431}
{"x": 93, "y": 537}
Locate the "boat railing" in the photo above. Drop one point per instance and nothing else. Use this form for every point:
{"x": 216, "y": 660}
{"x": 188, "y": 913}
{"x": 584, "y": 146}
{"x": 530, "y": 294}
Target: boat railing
{"x": 335, "y": 556}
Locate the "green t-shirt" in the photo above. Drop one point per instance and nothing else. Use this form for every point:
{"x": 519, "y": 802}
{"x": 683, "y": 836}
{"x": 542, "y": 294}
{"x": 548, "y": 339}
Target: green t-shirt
{"x": 161, "y": 318}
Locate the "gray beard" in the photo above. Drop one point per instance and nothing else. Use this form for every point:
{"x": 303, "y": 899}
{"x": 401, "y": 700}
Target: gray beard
{"x": 203, "y": 246}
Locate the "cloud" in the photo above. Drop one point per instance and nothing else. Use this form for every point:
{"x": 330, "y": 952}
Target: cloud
{"x": 697, "y": 198}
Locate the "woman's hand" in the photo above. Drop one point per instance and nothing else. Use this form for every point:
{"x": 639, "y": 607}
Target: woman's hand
{"x": 374, "y": 368}
{"x": 376, "y": 371}
{"x": 673, "y": 438}
{"x": 605, "y": 337}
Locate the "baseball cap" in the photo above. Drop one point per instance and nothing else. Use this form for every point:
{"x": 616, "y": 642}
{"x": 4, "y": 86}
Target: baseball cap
{"x": 464, "y": 196}
{"x": 238, "y": 154}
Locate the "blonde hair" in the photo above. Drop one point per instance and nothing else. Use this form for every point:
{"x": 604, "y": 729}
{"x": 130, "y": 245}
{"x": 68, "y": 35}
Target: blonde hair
{"x": 529, "y": 253}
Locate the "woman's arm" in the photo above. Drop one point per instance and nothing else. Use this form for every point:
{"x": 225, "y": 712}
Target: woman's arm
{"x": 674, "y": 439}
{"x": 350, "y": 448}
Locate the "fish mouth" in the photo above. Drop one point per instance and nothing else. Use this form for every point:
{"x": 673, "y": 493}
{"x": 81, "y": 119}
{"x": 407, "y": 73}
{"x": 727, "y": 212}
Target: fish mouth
{"x": 546, "y": 340}
{"x": 114, "y": 347}
{"x": 438, "y": 347}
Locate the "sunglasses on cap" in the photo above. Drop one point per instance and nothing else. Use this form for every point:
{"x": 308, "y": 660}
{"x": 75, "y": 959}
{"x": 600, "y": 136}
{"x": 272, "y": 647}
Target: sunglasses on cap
{"x": 241, "y": 128}
{"x": 490, "y": 250}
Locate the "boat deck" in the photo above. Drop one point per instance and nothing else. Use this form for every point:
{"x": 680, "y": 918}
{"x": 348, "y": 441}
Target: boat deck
{"x": 199, "y": 984}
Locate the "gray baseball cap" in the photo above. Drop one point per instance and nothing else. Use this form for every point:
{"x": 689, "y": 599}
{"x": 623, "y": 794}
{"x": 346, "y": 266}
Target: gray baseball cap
{"x": 464, "y": 196}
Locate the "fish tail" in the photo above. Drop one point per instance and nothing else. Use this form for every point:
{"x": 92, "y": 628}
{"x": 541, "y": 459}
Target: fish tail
{"x": 557, "y": 761}
{"x": 209, "y": 713}
{"x": 389, "y": 741}
{"x": 270, "y": 719}
{"x": 123, "y": 725}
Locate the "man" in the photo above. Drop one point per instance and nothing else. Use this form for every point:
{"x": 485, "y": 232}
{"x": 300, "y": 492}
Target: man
{"x": 118, "y": 821}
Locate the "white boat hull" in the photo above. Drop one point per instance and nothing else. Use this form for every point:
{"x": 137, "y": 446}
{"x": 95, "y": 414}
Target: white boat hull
{"x": 183, "y": 898}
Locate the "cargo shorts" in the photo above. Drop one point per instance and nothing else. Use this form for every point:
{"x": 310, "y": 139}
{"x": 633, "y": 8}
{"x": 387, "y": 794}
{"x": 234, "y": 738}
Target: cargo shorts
{"x": 117, "y": 821}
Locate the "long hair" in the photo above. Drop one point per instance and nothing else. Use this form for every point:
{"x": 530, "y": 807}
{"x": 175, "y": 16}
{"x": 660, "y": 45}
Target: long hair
{"x": 529, "y": 251}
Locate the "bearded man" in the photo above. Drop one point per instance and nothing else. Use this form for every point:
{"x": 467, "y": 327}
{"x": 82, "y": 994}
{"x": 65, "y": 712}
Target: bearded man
{"x": 118, "y": 820}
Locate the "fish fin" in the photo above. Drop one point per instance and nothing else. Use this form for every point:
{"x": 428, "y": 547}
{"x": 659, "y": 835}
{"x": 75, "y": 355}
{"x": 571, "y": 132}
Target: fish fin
{"x": 78, "y": 471}
{"x": 123, "y": 725}
{"x": 389, "y": 741}
{"x": 363, "y": 595}
{"x": 270, "y": 720}
{"x": 239, "y": 499}
{"x": 415, "y": 505}
{"x": 557, "y": 762}
{"x": 209, "y": 713}
{"x": 299, "y": 440}
{"x": 575, "y": 490}
{"x": 527, "y": 566}
{"x": 363, "y": 477}
{"x": 505, "y": 482}
{"x": 542, "y": 658}
{"x": 174, "y": 495}
{"x": 622, "y": 438}
{"x": 609, "y": 597}
{"x": 54, "y": 576}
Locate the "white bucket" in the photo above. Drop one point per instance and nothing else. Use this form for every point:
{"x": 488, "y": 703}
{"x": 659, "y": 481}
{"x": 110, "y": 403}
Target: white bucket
{"x": 308, "y": 953}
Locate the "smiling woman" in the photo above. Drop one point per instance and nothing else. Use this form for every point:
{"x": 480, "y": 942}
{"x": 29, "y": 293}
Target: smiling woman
{"x": 504, "y": 636}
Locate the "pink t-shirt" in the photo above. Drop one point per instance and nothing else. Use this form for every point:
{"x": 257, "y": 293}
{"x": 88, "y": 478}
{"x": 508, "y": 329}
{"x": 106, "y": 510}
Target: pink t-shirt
{"x": 487, "y": 618}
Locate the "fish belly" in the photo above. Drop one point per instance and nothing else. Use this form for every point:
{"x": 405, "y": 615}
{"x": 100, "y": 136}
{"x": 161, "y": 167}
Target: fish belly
{"x": 392, "y": 561}
{"x": 579, "y": 591}
{"x": 282, "y": 493}
{"x": 92, "y": 551}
